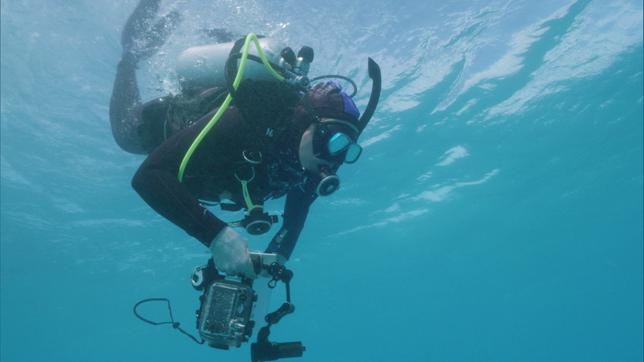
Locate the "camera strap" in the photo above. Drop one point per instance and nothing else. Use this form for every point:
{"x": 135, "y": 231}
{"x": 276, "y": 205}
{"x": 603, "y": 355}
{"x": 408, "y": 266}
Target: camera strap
{"x": 175, "y": 325}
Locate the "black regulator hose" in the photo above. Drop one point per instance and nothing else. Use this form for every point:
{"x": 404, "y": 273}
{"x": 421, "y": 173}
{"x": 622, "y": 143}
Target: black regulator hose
{"x": 337, "y": 76}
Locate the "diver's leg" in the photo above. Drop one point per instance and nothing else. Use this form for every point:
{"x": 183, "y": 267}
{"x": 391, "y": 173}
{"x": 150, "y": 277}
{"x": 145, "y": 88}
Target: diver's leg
{"x": 124, "y": 107}
{"x": 141, "y": 38}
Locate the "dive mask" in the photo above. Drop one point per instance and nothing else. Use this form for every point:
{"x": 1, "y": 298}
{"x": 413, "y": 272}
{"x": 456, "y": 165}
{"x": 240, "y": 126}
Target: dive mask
{"x": 340, "y": 144}
{"x": 326, "y": 145}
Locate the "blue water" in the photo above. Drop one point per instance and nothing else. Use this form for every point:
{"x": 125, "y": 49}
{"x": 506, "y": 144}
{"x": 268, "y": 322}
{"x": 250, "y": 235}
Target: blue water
{"x": 496, "y": 214}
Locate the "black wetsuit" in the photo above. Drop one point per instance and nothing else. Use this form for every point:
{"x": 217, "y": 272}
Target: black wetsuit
{"x": 211, "y": 171}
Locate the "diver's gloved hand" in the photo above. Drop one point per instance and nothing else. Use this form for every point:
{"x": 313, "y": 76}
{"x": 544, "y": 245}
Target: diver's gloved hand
{"x": 142, "y": 36}
{"x": 230, "y": 253}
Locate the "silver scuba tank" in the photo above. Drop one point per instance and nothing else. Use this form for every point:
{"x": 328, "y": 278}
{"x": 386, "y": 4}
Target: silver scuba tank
{"x": 202, "y": 67}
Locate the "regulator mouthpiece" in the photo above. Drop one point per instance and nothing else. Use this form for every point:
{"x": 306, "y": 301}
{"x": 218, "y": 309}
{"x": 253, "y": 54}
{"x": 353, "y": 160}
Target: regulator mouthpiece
{"x": 329, "y": 183}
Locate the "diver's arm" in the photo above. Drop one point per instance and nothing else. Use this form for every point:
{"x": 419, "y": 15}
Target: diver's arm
{"x": 171, "y": 199}
{"x": 156, "y": 182}
{"x": 297, "y": 206}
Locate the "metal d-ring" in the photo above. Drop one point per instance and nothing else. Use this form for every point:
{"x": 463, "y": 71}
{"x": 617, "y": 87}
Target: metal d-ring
{"x": 252, "y": 157}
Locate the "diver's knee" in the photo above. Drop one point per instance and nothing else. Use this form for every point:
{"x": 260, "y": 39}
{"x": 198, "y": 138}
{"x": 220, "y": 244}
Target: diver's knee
{"x": 127, "y": 144}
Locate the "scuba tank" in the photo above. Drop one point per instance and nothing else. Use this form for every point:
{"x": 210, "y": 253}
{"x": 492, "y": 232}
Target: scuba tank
{"x": 201, "y": 71}
{"x": 203, "y": 67}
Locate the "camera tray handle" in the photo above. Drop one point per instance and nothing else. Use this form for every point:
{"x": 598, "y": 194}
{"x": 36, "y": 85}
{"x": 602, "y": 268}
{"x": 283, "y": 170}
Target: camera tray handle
{"x": 263, "y": 349}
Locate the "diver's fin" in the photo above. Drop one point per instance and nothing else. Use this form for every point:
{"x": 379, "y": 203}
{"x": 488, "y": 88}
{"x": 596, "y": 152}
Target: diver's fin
{"x": 142, "y": 37}
{"x": 161, "y": 30}
{"x": 139, "y": 22}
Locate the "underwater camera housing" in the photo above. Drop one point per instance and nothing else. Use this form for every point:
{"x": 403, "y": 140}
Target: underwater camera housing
{"x": 223, "y": 317}
{"x": 223, "y": 320}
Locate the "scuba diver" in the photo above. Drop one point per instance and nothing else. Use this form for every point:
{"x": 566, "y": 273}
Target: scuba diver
{"x": 237, "y": 135}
